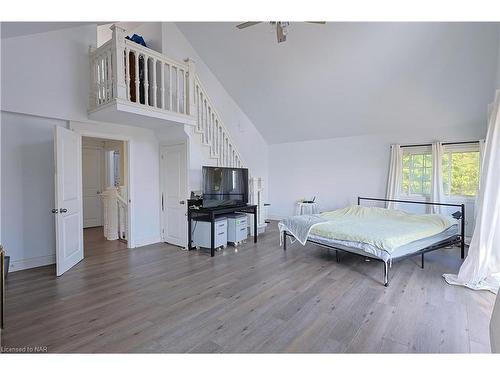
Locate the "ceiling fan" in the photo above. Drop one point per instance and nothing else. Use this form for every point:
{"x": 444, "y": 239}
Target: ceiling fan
{"x": 281, "y": 27}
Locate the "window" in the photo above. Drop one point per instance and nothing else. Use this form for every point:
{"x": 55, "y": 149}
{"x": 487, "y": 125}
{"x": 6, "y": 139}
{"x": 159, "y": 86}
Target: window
{"x": 461, "y": 171}
{"x": 417, "y": 172}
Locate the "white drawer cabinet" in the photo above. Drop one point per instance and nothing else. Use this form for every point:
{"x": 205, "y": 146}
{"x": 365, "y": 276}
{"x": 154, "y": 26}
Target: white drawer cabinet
{"x": 201, "y": 233}
{"x": 237, "y": 228}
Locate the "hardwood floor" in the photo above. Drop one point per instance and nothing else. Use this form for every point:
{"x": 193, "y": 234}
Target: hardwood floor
{"x": 161, "y": 298}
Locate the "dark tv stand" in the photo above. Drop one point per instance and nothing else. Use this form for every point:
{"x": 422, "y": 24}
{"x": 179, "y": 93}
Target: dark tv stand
{"x": 211, "y": 214}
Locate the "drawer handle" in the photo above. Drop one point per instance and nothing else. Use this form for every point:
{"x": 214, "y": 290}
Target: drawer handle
{"x": 243, "y": 229}
{"x": 220, "y": 234}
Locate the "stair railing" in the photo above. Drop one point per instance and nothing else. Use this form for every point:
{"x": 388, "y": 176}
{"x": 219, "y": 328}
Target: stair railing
{"x": 123, "y": 70}
{"x": 213, "y": 132}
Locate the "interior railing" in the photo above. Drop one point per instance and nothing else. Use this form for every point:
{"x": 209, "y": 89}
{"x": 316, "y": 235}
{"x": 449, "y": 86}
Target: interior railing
{"x": 142, "y": 76}
{"x": 213, "y": 132}
{"x": 151, "y": 80}
{"x": 122, "y": 213}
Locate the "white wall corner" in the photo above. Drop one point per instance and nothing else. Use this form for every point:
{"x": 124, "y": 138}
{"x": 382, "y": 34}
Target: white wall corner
{"x": 145, "y": 241}
{"x": 23, "y": 264}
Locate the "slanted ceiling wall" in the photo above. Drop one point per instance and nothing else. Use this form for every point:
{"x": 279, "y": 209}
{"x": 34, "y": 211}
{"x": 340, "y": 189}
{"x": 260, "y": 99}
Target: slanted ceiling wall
{"x": 250, "y": 143}
{"x": 167, "y": 38}
{"x": 337, "y": 170}
{"x": 332, "y": 98}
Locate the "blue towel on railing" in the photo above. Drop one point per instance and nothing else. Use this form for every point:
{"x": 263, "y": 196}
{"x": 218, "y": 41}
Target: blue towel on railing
{"x": 137, "y": 39}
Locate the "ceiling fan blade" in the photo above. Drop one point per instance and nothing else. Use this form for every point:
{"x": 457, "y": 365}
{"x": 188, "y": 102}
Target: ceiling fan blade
{"x": 318, "y": 22}
{"x": 247, "y": 24}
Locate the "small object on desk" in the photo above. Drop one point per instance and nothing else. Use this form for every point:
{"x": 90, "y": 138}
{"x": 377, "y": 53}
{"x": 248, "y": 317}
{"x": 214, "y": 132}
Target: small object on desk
{"x": 308, "y": 201}
{"x": 307, "y": 208}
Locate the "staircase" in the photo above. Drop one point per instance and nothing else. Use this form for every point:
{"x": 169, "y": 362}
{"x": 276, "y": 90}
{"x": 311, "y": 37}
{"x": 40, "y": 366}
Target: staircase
{"x": 213, "y": 133}
{"x": 127, "y": 77}
{"x": 129, "y": 81}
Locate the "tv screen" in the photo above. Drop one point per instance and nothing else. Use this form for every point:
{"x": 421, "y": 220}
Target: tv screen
{"x": 225, "y": 186}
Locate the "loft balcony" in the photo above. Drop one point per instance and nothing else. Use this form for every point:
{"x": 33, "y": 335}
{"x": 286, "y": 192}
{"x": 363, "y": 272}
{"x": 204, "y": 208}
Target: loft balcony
{"x": 141, "y": 87}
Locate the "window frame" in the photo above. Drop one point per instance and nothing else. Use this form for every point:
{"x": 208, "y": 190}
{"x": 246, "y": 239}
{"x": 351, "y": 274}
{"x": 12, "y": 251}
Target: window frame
{"x": 465, "y": 147}
{"x": 414, "y": 150}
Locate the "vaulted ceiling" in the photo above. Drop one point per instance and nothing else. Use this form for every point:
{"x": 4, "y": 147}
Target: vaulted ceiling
{"x": 14, "y": 29}
{"x": 345, "y": 79}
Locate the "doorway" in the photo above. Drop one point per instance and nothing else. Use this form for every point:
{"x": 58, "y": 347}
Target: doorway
{"x": 105, "y": 193}
{"x": 106, "y": 166}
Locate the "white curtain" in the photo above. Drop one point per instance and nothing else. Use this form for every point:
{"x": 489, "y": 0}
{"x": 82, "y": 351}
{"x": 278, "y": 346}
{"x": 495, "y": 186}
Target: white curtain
{"x": 437, "y": 193}
{"x": 395, "y": 175}
{"x": 481, "y": 163}
{"x": 481, "y": 268}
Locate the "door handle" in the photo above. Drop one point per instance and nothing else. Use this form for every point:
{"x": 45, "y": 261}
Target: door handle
{"x": 63, "y": 210}
{"x": 55, "y": 211}
{"x": 182, "y": 202}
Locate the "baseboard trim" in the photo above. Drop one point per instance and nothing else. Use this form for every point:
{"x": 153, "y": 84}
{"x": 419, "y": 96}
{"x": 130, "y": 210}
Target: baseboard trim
{"x": 146, "y": 241}
{"x": 24, "y": 264}
{"x": 275, "y": 217}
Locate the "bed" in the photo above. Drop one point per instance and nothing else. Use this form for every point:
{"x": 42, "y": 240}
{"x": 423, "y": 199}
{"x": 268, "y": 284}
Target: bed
{"x": 385, "y": 235}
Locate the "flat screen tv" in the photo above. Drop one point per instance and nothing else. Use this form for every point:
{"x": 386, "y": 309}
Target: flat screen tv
{"x": 225, "y": 186}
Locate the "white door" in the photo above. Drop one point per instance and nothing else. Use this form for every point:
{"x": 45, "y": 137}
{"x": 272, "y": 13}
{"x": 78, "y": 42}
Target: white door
{"x": 92, "y": 185}
{"x": 174, "y": 194}
{"x": 68, "y": 184}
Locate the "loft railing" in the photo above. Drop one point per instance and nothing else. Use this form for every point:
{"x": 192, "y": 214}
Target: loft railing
{"x": 148, "y": 79}
{"x": 141, "y": 76}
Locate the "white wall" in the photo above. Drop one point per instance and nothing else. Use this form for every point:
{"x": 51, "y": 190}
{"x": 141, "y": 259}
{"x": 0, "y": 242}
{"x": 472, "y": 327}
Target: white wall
{"x": 46, "y": 78}
{"x": 250, "y": 143}
{"x": 28, "y": 232}
{"x": 151, "y": 32}
{"x": 338, "y": 170}
{"x": 47, "y": 74}
{"x": 28, "y": 185}
{"x": 144, "y": 174}
{"x": 104, "y": 33}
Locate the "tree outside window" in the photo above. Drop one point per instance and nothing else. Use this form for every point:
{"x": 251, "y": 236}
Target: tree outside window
{"x": 417, "y": 173}
{"x": 461, "y": 173}
{"x": 461, "y": 169}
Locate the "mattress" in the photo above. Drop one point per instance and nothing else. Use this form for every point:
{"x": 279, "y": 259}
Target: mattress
{"x": 372, "y": 251}
{"x": 383, "y": 228}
